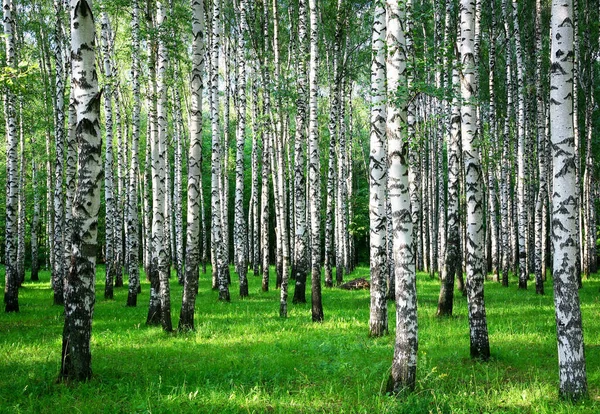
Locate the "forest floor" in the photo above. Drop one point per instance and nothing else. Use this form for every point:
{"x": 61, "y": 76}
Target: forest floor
{"x": 244, "y": 358}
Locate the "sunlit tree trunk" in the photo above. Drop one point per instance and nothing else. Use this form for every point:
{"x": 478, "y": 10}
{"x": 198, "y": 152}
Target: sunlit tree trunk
{"x": 240, "y": 226}
{"x": 378, "y": 323}
{"x": 314, "y": 171}
{"x": 35, "y": 219}
{"x": 452, "y": 253}
{"x": 118, "y": 192}
{"x": 253, "y": 241}
{"x": 80, "y": 280}
{"x": 521, "y": 201}
{"x": 493, "y": 152}
{"x": 571, "y": 358}
{"x": 159, "y": 173}
{"x": 108, "y": 163}
{"x": 132, "y": 198}
{"x": 217, "y": 234}
{"x": 474, "y": 190}
{"x": 58, "y": 268}
{"x": 404, "y": 364}
{"x": 177, "y": 214}
{"x": 154, "y": 307}
{"x": 301, "y": 258}
{"x": 192, "y": 257}
{"x": 20, "y": 264}
{"x": 11, "y": 286}
{"x": 506, "y": 228}
{"x": 540, "y": 218}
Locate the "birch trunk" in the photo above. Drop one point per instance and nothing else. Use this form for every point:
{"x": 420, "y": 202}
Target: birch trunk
{"x": 192, "y": 257}
{"x": 80, "y": 280}
{"x": 58, "y": 269}
{"x": 474, "y": 195}
{"x": 521, "y": 173}
{"x": 301, "y": 258}
{"x": 378, "y": 323}
{"x": 132, "y": 198}
{"x": 240, "y": 226}
{"x": 159, "y": 175}
{"x": 542, "y": 197}
{"x": 404, "y": 364}
{"x": 217, "y": 235}
{"x": 21, "y": 204}
{"x": 108, "y": 163}
{"x": 571, "y": 358}
{"x": 11, "y": 286}
{"x": 314, "y": 171}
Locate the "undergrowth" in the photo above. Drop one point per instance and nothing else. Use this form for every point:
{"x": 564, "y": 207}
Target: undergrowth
{"x": 244, "y": 358}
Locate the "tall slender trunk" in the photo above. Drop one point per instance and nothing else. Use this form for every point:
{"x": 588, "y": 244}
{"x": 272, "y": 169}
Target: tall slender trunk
{"x": 35, "y": 219}
{"x": 177, "y": 214}
{"x": 119, "y": 193}
{"x": 217, "y": 234}
{"x": 132, "y": 198}
{"x": 108, "y": 163}
{"x": 301, "y": 258}
{"x": 452, "y": 253}
{"x": 480, "y": 347}
{"x": 404, "y": 364}
{"x": 11, "y": 290}
{"x": 522, "y": 218}
{"x": 154, "y": 307}
{"x": 571, "y": 357}
{"x": 378, "y": 323}
{"x": 192, "y": 257}
{"x": 159, "y": 174}
{"x": 80, "y": 280}
{"x": 493, "y": 151}
{"x": 314, "y": 171}
{"x": 21, "y": 201}
{"x": 58, "y": 268}
{"x": 542, "y": 197}
{"x": 504, "y": 174}
{"x": 240, "y": 226}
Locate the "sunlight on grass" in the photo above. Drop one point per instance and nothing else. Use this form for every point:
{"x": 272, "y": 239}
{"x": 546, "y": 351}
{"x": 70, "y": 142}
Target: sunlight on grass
{"x": 244, "y": 358}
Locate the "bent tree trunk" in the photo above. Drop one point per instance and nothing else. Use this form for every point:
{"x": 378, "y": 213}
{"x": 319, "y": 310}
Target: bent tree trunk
{"x": 79, "y": 286}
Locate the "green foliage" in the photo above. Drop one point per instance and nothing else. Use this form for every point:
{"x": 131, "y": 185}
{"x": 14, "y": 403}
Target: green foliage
{"x": 244, "y": 358}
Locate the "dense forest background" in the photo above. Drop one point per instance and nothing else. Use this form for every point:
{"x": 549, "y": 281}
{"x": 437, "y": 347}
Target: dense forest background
{"x": 306, "y": 136}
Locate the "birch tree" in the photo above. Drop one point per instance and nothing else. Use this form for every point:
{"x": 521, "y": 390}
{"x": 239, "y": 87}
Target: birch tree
{"x": 404, "y": 364}
{"x": 571, "y": 358}
{"x": 314, "y": 170}
{"x": 58, "y": 268}
{"x": 80, "y": 280}
{"x": 132, "y": 195}
{"x": 11, "y": 286}
{"x": 378, "y": 323}
{"x": 192, "y": 257}
{"x": 240, "y": 227}
{"x": 474, "y": 192}
{"x": 159, "y": 153}
{"x": 108, "y": 163}
{"x": 301, "y": 258}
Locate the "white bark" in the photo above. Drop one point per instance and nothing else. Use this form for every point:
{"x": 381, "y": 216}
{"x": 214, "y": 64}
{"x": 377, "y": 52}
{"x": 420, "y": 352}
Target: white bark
{"x": 474, "y": 188}
{"x": 571, "y": 357}
{"x": 80, "y": 280}
{"x": 11, "y": 291}
{"x": 378, "y": 323}
{"x": 404, "y": 365}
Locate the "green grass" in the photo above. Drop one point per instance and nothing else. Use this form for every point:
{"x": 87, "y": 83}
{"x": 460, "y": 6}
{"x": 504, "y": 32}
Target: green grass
{"x": 244, "y": 358}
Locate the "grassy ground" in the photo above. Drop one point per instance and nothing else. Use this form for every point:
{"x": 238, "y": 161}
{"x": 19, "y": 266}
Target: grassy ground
{"x": 244, "y": 358}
